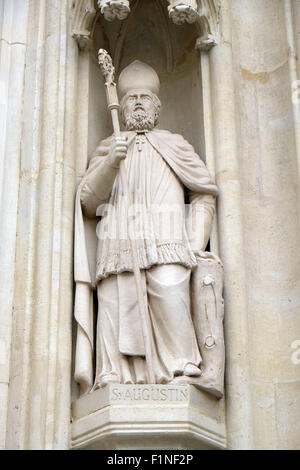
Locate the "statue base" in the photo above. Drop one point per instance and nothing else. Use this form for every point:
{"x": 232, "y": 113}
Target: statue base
{"x": 141, "y": 417}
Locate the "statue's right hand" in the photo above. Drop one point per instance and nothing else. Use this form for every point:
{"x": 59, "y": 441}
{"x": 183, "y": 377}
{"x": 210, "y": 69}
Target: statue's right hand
{"x": 118, "y": 151}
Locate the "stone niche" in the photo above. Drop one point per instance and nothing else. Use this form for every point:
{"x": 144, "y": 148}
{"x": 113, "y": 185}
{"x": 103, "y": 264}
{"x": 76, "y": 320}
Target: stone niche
{"x": 145, "y": 416}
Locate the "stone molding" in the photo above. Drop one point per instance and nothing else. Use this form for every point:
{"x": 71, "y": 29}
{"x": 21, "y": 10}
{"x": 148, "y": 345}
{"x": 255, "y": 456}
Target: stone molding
{"x": 169, "y": 417}
{"x": 208, "y": 24}
{"x": 84, "y": 17}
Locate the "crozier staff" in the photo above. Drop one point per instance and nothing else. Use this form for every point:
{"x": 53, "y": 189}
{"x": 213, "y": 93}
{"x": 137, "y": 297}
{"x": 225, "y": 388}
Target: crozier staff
{"x": 107, "y": 69}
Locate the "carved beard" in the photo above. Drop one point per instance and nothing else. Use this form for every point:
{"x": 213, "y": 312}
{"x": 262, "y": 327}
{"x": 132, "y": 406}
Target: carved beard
{"x": 139, "y": 120}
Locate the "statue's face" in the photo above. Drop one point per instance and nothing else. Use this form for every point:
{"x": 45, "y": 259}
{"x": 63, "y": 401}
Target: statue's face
{"x": 139, "y": 100}
{"x": 140, "y": 110}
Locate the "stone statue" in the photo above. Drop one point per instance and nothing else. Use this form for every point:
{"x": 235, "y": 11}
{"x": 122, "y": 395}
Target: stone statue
{"x": 173, "y": 202}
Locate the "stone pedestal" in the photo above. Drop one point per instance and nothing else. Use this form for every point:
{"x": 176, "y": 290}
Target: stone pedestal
{"x": 148, "y": 417}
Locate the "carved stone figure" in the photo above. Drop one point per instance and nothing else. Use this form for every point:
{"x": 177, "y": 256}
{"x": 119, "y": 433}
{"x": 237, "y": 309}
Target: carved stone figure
{"x": 171, "y": 214}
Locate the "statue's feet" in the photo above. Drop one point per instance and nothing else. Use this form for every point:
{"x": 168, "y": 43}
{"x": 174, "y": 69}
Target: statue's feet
{"x": 191, "y": 373}
{"x": 191, "y": 370}
{"x": 104, "y": 380}
{"x": 110, "y": 379}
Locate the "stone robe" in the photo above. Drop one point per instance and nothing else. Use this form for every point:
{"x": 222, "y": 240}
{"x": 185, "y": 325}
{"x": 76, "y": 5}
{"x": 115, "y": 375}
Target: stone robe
{"x": 162, "y": 169}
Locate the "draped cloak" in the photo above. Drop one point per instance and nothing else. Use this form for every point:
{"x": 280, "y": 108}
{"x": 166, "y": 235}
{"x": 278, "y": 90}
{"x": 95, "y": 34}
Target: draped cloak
{"x": 193, "y": 175}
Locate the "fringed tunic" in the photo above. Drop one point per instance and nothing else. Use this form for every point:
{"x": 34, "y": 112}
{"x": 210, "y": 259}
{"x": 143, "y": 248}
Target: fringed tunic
{"x": 156, "y": 212}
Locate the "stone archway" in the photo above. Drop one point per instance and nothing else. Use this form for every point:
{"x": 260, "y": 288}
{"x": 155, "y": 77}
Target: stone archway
{"x": 205, "y": 14}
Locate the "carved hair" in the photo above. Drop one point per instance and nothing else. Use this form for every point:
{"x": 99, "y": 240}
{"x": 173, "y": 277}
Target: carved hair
{"x": 155, "y": 101}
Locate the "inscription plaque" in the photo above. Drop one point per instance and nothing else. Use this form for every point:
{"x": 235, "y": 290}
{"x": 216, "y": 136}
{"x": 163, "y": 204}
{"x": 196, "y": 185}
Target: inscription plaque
{"x": 148, "y": 393}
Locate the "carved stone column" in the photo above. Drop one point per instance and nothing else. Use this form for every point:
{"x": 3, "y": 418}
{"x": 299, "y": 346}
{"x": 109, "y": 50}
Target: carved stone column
{"x": 265, "y": 71}
{"x": 39, "y": 393}
{"x": 214, "y": 44}
{"x": 230, "y": 236}
{"x": 254, "y": 112}
{"x": 13, "y": 34}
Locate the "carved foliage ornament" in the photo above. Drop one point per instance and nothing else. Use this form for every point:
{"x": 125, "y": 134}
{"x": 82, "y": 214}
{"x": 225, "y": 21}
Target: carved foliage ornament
{"x": 114, "y": 9}
{"x": 181, "y": 11}
{"x": 204, "y": 13}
